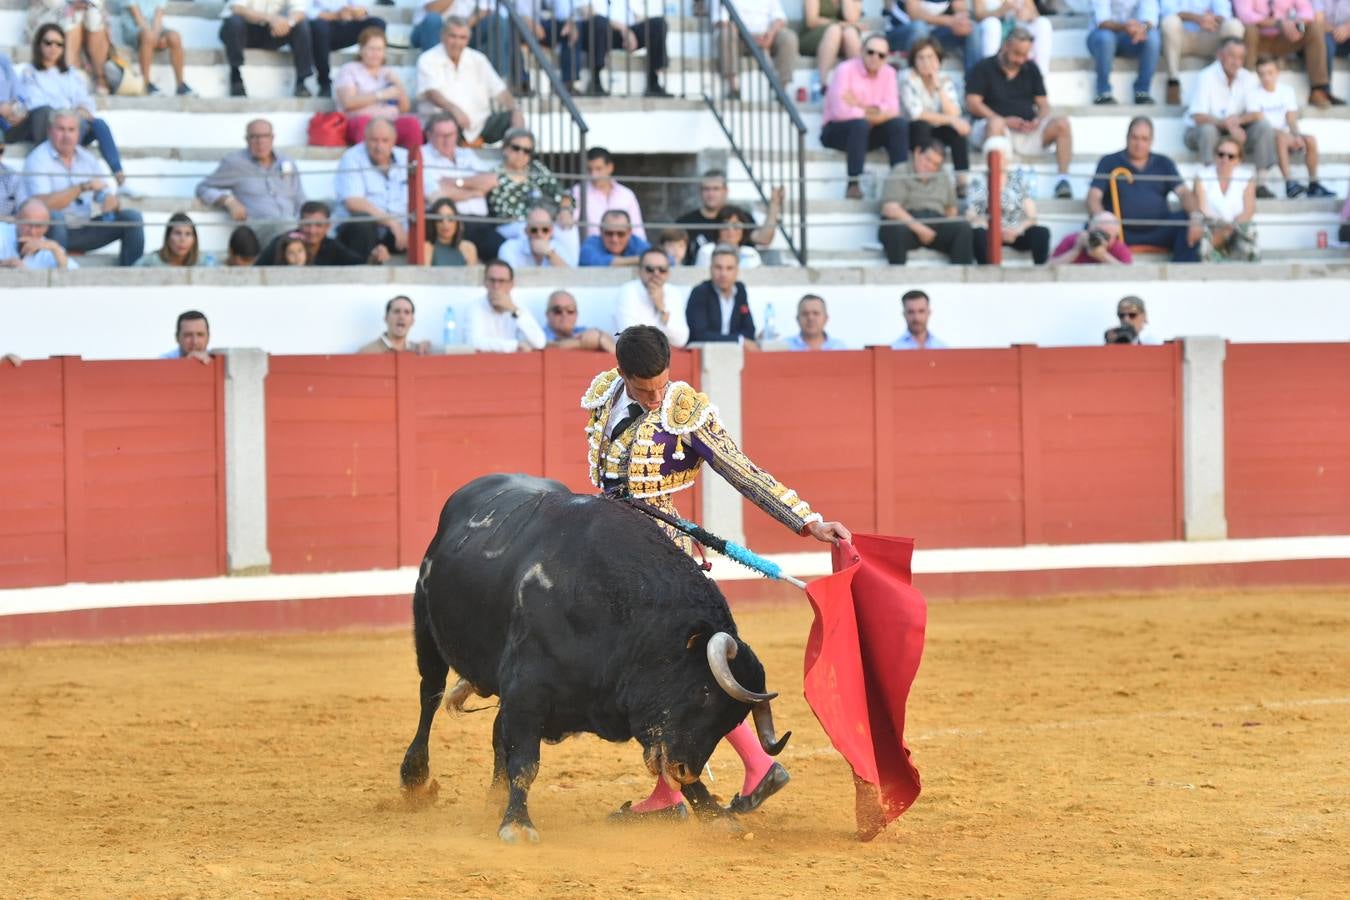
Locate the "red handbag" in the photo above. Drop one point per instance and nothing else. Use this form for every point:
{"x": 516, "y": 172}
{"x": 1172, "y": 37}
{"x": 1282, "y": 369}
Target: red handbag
{"x": 328, "y": 129}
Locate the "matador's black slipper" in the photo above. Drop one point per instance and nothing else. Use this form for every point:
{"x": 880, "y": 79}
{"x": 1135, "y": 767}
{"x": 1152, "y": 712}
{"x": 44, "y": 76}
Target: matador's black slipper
{"x": 627, "y": 815}
{"x": 773, "y": 781}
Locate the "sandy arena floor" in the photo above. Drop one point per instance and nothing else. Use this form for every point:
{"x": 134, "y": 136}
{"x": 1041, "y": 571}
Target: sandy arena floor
{"x": 1178, "y": 746}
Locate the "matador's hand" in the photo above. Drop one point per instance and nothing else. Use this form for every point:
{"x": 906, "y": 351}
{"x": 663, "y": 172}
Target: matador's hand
{"x": 829, "y": 532}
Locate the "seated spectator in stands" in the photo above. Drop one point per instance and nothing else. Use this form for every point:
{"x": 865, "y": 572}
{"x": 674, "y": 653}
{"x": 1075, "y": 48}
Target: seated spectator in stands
{"x": 1148, "y": 179}
{"x": 449, "y": 170}
{"x": 995, "y": 17}
{"x": 244, "y": 247}
{"x": 49, "y": 84}
{"x": 831, "y": 29}
{"x": 399, "y": 315}
{"x": 949, "y": 22}
{"x": 1222, "y": 104}
{"x": 917, "y": 309}
{"x": 141, "y": 25}
{"x": 615, "y": 245}
{"x": 1281, "y": 27}
{"x": 862, "y": 112}
{"x": 733, "y": 223}
{"x": 1017, "y": 213}
{"x": 372, "y": 181}
{"x": 930, "y": 100}
{"x": 429, "y": 20}
{"x": 630, "y": 27}
{"x": 13, "y": 113}
{"x": 1343, "y": 235}
{"x": 368, "y": 89}
{"x": 574, "y": 30}
{"x": 562, "y": 331}
{"x": 1280, "y": 108}
{"x": 675, "y": 243}
{"x": 701, "y": 225}
{"x": 448, "y": 246}
{"x": 291, "y": 250}
{"x": 1193, "y": 28}
{"x": 522, "y": 181}
{"x": 1099, "y": 242}
{"x": 26, "y": 245}
{"x": 1130, "y": 311}
{"x": 540, "y": 244}
{"x": 57, "y": 172}
{"x": 650, "y": 300}
{"x": 718, "y": 310}
{"x": 1126, "y": 28}
{"x": 456, "y": 79}
{"x": 192, "y": 333}
{"x": 915, "y": 200}
{"x": 336, "y": 25}
{"x": 256, "y": 184}
{"x": 1226, "y": 193}
{"x": 1336, "y": 17}
{"x": 496, "y": 324}
{"x": 812, "y": 318}
{"x": 84, "y": 26}
{"x": 767, "y": 24}
{"x": 1006, "y": 94}
{"x": 11, "y": 185}
{"x": 320, "y": 249}
{"x": 603, "y": 193}
{"x": 270, "y": 25}
{"x": 180, "y": 248}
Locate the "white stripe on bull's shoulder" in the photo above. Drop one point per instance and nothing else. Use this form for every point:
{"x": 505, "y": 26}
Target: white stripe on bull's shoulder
{"x": 536, "y": 574}
{"x": 424, "y": 574}
{"x": 485, "y": 521}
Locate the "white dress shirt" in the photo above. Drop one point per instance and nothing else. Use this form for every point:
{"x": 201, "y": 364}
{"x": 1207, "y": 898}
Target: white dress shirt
{"x": 728, "y": 303}
{"x": 1214, "y": 96}
{"x": 494, "y": 331}
{"x": 471, "y": 85}
{"x": 636, "y": 308}
{"x": 466, "y": 164}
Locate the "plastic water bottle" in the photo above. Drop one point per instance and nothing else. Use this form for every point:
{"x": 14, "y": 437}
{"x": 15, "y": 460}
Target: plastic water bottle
{"x": 770, "y": 331}
{"x": 450, "y": 332}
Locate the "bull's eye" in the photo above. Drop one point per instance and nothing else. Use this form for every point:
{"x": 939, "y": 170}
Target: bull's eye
{"x": 707, "y": 695}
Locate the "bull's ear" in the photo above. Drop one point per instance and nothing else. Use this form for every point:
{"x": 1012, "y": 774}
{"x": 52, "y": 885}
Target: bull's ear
{"x": 699, "y": 632}
{"x": 694, "y": 639}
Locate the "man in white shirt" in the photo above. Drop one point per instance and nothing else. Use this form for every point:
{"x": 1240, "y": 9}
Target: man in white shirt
{"x": 496, "y": 324}
{"x": 1222, "y": 105}
{"x": 269, "y": 25}
{"x": 767, "y": 22}
{"x": 541, "y": 245}
{"x": 1193, "y": 28}
{"x": 26, "y": 246}
{"x": 461, "y": 81}
{"x": 650, "y": 301}
{"x": 449, "y": 170}
{"x": 372, "y": 181}
{"x": 603, "y": 193}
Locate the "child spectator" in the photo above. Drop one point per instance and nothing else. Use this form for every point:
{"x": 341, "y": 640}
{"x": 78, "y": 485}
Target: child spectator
{"x": 244, "y": 247}
{"x": 676, "y": 245}
{"x": 291, "y": 251}
{"x": 1280, "y": 107}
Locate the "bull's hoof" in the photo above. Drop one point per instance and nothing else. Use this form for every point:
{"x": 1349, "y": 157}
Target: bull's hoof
{"x": 773, "y": 781}
{"x": 516, "y": 833}
{"x": 626, "y": 815}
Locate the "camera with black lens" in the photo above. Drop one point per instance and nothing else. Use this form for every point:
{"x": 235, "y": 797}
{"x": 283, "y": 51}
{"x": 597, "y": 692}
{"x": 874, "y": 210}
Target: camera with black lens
{"x": 1123, "y": 334}
{"x": 1097, "y": 238}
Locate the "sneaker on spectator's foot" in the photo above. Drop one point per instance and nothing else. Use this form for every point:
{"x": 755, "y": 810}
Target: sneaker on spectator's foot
{"x": 150, "y": 89}
{"x": 1143, "y": 98}
{"x": 325, "y": 90}
{"x": 1264, "y": 193}
{"x": 301, "y": 91}
{"x": 1173, "y": 92}
{"x": 1293, "y": 190}
{"x": 854, "y": 192}
{"x": 237, "y": 89}
{"x": 183, "y": 90}
{"x": 1063, "y": 191}
{"x": 1104, "y": 100}
{"x": 1316, "y": 189}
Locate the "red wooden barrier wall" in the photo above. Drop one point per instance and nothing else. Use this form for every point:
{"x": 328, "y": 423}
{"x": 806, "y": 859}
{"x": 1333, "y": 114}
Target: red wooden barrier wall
{"x": 972, "y": 448}
{"x": 1287, "y": 437}
{"x": 111, "y": 471}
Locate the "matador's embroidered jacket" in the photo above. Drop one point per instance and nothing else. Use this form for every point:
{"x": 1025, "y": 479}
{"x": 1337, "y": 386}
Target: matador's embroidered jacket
{"x": 660, "y": 453}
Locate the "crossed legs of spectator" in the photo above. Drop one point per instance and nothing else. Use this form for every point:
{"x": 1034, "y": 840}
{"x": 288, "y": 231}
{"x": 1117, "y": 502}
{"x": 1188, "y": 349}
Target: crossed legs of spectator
{"x": 856, "y": 136}
{"x": 954, "y": 238}
{"x": 237, "y": 34}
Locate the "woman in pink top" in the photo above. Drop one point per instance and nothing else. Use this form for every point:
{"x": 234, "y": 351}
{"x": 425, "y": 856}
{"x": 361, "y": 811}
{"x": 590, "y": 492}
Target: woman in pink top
{"x": 862, "y": 111}
{"x": 367, "y": 89}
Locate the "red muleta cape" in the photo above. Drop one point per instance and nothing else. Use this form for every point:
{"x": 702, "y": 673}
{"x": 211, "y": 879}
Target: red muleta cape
{"x": 861, "y": 658}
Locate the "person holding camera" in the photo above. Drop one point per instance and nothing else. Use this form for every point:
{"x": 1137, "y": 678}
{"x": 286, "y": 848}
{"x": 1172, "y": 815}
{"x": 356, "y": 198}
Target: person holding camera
{"x": 1099, "y": 242}
{"x": 1133, "y": 318}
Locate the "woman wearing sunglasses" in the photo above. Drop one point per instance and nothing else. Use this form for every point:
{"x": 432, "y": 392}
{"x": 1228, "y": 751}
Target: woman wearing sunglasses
{"x": 447, "y": 246}
{"x": 83, "y": 28}
{"x": 522, "y": 182}
{"x": 1226, "y": 193}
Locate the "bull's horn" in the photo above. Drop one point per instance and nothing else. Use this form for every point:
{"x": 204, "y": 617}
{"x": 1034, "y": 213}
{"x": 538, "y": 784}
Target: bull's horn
{"x": 721, "y": 650}
{"x": 763, "y": 715}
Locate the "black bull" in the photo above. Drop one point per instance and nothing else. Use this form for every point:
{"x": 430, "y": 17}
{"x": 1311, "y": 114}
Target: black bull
{"x": 581, "y": 615}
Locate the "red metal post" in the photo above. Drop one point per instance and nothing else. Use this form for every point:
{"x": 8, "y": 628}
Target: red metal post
{"x": 995, "y": 161}
{"x": 417, "y": 209}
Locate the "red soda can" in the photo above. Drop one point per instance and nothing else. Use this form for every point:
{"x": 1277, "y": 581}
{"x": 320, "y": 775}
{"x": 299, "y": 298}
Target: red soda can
{"x": 1321, "y": 240}
{"x": 801, "y": 95}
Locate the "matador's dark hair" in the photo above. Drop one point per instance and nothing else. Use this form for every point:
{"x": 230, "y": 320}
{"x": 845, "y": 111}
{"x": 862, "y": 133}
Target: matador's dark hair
{"x": 643, "y": 351}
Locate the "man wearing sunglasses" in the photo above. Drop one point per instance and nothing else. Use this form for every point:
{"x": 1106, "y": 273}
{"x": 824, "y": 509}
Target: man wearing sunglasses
{"x": 563, "y": 332}
{"x": 651, "y": 301}
{"x": 862, "y": 111}
{"x": 1131, "y": 311}
{"x": 541, "y": 245}
{"x": 615, "y": 245}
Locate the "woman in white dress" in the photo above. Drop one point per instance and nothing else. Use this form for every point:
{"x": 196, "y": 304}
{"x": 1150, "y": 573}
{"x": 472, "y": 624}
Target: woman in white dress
{"x": 997, "y": 17}
{"x": 1226, "y": 193}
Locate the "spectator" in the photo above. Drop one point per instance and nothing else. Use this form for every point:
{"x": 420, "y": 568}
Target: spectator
{"x": 767, "y": 24}
{"x": 933, "y": 107}
{"x": 718, "y": 309}
{"x": 372, "y": 182}
{"x": 1132, "y": 314}
{"x": 447, "y": 246}
{"x": 702, "y": 226}
{"x": 540, "y": 244}
{"x": 1099, "y": 242}
{"x": 570, "y": 29}
{"x": 1193, "y": 28}
{"x": 862, "y": 111}
{"x": 562, "y": 331}
{"x": 291, "y": 250}
{"x": 1148, "y": 179}
{"x": 244, "y": 247}
{"x": 429, "y": 20}
{"x": 1226, "y": 193}
{"x": 1281, "y": 27}
{"x": 193, "y": 333}
{"x": 675, "y": 243}
{"x": 914, "y": 202}
{"x": 83, "y": 26}
{"x": 811, "y": 321}
{"x": 1279, "y": 106}
{"x": 1336, "y": 18}
{"x": 1126, "y": 28}
{"x": 320, "y": 249}
{"x": 368, "y": 89}
{"x": 1343, "y": 235}
{"x": 949, "y": 22}
{"x": 180, "y": 248}
{"x": 449, "y": 170}
{"x": 256, "y": 184}
{"x": 496, "y": 324}
{"x": 141, "y": 25}
{"x": 522, "y": 181}
{"x": 997, "y": 17}
{"x": 26, "y": 245}
{"x": 11, "y": 185}
{"x": 917, "y": 336}
{"x": 629, "y": 27}
{"x": 651, "y": 301}
{"x": 603, "y": 193}
{"x": 830, "y": 29}
{"x": 268, "y": 24}
{"x": 1007, "y": 95}
{"x": 336, "y": 25}
{"x": 13, "y": 113}
{"x": 399, "y": 315}
{"x": 456, "y": 79}
{"x": 1017, "y": 215}
{"x": 615, "y": 245}
{"x": 57, "y": 173}
{"x": 731, "y": 231}
{"x": 49, "y": 84}
{"x": 1223, "y": 104}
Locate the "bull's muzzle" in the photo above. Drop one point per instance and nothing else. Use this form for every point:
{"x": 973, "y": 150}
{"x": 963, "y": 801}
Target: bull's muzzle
{"x": 721, "y": 650}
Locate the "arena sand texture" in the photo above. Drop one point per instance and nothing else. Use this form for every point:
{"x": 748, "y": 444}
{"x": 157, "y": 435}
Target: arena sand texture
{"x": 1171, "y": 746}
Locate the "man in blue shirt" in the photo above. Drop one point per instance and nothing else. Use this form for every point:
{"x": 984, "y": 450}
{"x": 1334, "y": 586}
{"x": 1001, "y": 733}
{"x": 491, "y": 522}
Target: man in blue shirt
{"x": 1193, "y": 28}
{"x": 372, "y": 182}
{"x": 917, "y": 336}
{"x": 811, "y": 321}
{"x": 1143, "y": 185}
{"x": 615, "y": 245}
{"x": 1124, "y": 28}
